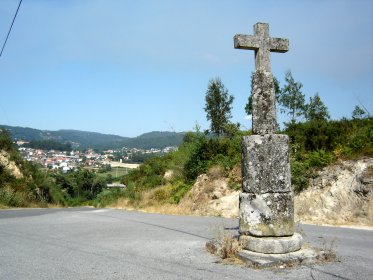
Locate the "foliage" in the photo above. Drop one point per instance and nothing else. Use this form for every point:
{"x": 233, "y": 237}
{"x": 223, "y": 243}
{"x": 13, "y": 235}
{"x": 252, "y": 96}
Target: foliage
{"x": 171, "y": 193}
{"x": 106, "y": 197}
{"x": 6, "y": 143}
{"x": 197, "y": 153}
{"x": 155, "y": 139}
{"x": 319, "y": 158}
{"x": 218, "y": 106}
{"x": 81, "y": 186}
{"x": 291, "y": 98}
{"x": 142, "y": 157}
{"x": 214, "y": 151}
{"x": 344, "y": 137}
{"x": 316, "y": 109}
{"x": 49, "y": 145}
{"x": 148, "y": 175}
{"x": 314, "y": 144}
{"x": 300, "y": 173}
{"x": 358, "y": 113}
{"x": 38, "y": 187}
{"x": 318, "y": 143}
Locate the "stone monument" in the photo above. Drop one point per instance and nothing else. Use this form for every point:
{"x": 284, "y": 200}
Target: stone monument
{"x": 266, "y": 202}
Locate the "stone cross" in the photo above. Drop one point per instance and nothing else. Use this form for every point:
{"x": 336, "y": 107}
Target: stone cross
{"x": 262, "y": 44}
{"x": 264, "y": 100}
{"x": 266, "y": 201}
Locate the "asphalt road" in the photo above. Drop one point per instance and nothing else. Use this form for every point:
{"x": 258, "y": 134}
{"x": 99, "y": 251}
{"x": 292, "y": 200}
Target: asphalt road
{"x": 85, "y": 243}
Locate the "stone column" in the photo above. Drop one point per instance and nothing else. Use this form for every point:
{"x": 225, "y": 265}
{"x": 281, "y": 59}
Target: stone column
{"x": 266, "y": 217}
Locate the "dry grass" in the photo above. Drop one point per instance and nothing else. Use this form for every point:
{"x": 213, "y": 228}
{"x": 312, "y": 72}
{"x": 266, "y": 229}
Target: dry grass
{"x": 3, "y": 206}
{"x": 230, "y": 245}
{"x": 225, "y": 245}
{"x": 148, "y": 204}
{"x": 328, "y": 251}
{"x": 216, "y": 172}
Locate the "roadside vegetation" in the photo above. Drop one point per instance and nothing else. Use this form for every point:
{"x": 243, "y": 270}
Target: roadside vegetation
{"x": 24, "y": 184}
{"x": 316, "y": 141}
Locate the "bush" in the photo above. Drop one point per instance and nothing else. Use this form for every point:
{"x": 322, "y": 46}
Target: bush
{"x": 132, "y": 192}
{"x": 178, "y": 192}
{"x": 222, "y": 152}
{"x": 107, "y": 197}
{"x": 12, "y": 198}
{"x": 319, "y": 158}
{"x": 300, "y": 174}
{"x": 161, "y": 194}
{"x": 6, "y": 143}
{"x": 171, "y": 193}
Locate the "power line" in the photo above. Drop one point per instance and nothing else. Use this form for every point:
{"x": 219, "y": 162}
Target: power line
{"x": 10, "y": 29}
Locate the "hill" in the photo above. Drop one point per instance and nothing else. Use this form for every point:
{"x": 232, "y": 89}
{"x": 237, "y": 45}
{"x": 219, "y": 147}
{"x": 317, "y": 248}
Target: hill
{"x": 155, "y": 139}
{"x": 94, "y": 140}
{"x": 25, "y": 184}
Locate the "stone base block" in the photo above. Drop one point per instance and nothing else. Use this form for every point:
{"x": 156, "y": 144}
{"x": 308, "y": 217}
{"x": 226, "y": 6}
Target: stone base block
{"x": 272, "y": 245}
{"x": 265, "y": 164}
{"x": 259, "y": 260}
{"x": 270, "y": 214}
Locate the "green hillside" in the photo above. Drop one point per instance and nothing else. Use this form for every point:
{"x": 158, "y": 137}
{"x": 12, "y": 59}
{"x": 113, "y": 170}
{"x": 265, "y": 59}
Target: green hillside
{"x": 94, "y": 140}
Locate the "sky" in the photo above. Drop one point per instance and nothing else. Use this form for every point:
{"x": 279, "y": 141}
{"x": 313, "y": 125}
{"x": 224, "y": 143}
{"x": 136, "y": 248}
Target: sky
{"x": 130, "y": 67}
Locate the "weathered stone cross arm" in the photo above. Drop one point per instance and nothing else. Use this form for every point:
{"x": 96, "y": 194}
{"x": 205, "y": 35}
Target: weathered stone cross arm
{"x": 262, "y": 44}
{"x": 250, "y": 42}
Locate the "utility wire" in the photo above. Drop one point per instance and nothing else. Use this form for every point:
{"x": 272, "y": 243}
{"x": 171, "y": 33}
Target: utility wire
{"x": 10, "y": 29}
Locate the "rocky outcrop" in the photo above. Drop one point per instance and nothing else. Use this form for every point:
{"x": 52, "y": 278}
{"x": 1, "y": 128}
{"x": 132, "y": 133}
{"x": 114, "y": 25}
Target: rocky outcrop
{"x": 211, "y": 195}
{"x": 341, "y": 194}
{"x": 9, "y": 165}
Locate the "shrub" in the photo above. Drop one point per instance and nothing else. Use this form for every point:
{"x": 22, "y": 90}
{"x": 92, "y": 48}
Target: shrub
{"x": 222, "y": 152}
{"x": 107, "y": 197}
{"x": 319, "y": 158}
{"x": 12, "y": 198}
{"x": 179, "y": 191}
{"x": 300, "y": 174}
{"x": 132, "y": 192}
{"x": 161, "y": 195}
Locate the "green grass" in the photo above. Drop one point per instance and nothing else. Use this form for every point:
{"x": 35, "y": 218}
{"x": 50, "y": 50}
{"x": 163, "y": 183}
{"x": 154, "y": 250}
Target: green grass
{"x": 115, "y": 172}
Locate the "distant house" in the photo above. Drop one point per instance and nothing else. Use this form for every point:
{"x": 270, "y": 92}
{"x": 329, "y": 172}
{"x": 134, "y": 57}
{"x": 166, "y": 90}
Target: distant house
{"x": 65, "y": 169}
{"x": 112, "y": 186}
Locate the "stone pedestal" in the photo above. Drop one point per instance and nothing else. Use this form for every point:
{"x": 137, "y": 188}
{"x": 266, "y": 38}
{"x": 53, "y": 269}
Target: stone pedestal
{"x": 272, "y": 245}
{"x": 266, "y": 219}
{"x": 266, "y": 202}
{"x": 264, "y": 215}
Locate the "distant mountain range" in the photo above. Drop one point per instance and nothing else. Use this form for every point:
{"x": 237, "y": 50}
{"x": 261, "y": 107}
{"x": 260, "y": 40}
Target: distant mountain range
{"x": 94, "y": 140}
